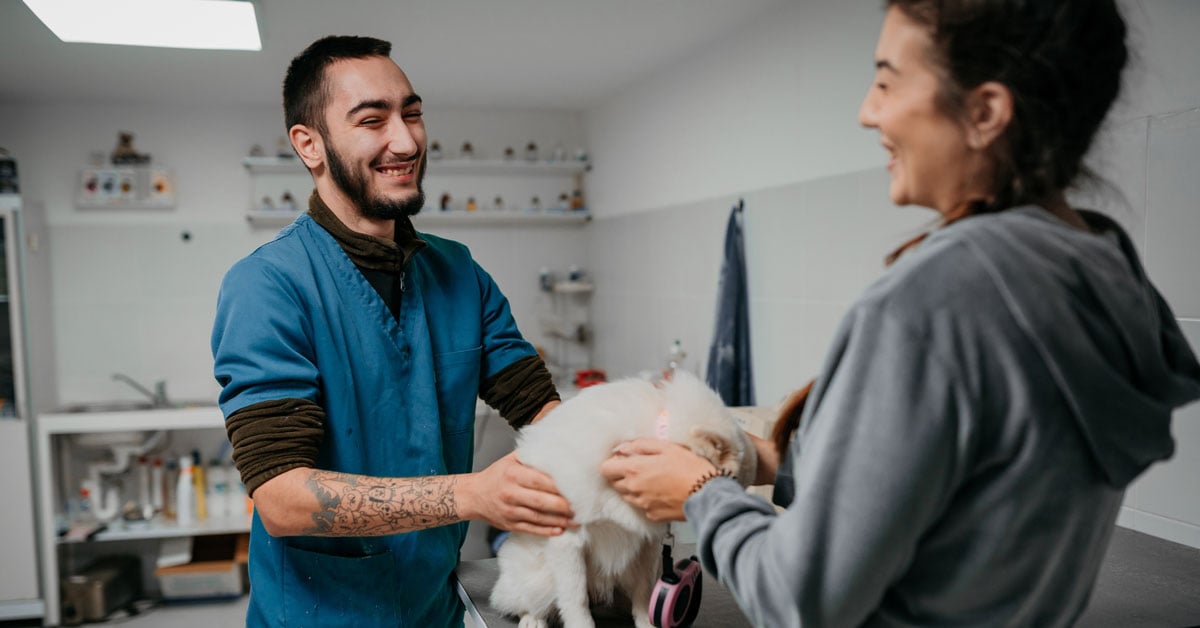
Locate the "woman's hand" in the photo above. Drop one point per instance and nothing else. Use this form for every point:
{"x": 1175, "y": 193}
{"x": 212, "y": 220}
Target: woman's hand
{"x": 655, "y": 476}
{"x": 768, "y": 460}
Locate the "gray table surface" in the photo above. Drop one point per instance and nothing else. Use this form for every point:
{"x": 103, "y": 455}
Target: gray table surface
{"x": 476, "y": 577}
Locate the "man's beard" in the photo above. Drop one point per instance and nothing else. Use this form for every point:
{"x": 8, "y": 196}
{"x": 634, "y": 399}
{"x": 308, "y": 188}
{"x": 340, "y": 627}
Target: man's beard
{"x": 354, "y": 186}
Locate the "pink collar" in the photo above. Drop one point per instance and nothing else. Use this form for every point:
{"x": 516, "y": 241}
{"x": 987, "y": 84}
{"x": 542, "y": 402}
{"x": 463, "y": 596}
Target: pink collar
{"x": 660, "y": 426}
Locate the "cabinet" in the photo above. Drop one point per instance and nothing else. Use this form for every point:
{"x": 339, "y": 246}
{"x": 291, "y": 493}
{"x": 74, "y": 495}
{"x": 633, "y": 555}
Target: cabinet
{"x": 515, "y": 182}
{"x": 54, "y": 441}
{"x": 19, "y": 597}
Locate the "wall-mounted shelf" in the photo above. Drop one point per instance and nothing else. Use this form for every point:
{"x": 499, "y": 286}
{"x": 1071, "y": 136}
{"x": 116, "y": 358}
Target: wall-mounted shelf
{"x": 271, "y": 217}
{"x": 284, "y": 165}
{"x": 430, "y": 218}
{"x": 433, "y": 218}
{"x": 274, "y": 165}
{"x": 573, "y": 287}
{"x": 290, "y": 174}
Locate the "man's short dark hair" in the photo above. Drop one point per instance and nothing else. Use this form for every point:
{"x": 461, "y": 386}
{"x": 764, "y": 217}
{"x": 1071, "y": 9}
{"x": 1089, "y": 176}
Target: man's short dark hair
{"x": 305, "y": 93}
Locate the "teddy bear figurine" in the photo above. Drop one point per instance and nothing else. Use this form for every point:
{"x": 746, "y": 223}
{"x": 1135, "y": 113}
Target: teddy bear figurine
{"x": 124, "y": 153}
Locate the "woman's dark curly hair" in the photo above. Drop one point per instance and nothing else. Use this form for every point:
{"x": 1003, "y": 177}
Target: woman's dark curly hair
{"x": 1060, "y": 59}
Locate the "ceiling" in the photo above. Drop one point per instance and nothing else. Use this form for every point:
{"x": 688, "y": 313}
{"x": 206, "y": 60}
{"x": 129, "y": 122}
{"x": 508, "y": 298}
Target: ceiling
{"x": 535, "y": 54}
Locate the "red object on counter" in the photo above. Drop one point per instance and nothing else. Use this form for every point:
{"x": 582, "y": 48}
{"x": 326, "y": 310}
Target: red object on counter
{"x": 590, "y": 377}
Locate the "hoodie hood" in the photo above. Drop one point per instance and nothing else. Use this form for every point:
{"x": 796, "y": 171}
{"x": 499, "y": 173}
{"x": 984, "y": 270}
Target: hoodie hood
{"x": 1117, "y": 355}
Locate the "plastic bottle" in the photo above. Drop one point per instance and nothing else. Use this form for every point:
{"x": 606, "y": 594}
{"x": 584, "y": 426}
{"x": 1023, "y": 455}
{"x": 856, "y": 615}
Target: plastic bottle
{"x": 185, "y": 493}
{"x": 85, "y": 514}
{"x": 170, "y": 485}
{"x": 237, "y": 493}
{"x": 199, "y": 486}
{"x": 675, "y": 359}
{"x": 156, "y": 485}
{"x": 218, "y": 490}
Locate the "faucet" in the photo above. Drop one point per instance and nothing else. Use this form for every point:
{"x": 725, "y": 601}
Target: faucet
{"x": 158, "y": 397}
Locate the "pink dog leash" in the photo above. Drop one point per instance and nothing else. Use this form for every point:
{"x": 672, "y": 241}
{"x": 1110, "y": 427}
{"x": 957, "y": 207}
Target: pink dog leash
{"x": 675, "y": 601}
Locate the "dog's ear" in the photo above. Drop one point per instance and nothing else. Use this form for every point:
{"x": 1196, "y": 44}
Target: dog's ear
{"x": 715, "y": 448}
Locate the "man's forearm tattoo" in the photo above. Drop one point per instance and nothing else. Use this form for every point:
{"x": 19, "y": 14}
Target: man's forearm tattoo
{"x": 357, "y": 505}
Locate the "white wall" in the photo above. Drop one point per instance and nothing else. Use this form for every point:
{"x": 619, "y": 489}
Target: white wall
{"x": 770, "y": 115}
{"x": 130, "y": 295}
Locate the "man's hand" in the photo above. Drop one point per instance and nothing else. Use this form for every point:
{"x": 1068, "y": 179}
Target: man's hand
{"x": 512, "y": 496}
{"x": 655, "y": 476}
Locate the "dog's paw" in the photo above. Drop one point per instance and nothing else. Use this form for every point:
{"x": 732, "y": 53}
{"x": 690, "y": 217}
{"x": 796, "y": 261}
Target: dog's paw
{"x": 529, "y": 621}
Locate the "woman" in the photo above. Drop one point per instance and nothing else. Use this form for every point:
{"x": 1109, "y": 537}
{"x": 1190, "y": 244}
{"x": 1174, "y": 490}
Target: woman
{"x": 963, "y": 454}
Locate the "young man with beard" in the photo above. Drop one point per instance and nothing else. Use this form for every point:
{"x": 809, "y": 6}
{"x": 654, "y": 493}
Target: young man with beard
{"x": 350, "y": 351}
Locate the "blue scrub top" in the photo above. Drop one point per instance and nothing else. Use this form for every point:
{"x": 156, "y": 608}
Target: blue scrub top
{"x": 296, "y": 319}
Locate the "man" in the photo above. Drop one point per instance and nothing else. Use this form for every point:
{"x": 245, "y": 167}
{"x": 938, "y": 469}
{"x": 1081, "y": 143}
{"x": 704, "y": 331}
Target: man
{"x": 351, "y": 350}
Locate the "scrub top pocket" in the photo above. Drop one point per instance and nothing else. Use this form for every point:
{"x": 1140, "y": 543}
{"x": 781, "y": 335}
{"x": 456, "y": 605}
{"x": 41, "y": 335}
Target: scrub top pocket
{"x": 327, "y": 591}
{"x": 457, "y": 371}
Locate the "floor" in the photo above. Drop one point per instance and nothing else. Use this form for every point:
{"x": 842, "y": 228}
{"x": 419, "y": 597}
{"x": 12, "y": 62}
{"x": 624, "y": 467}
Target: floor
{"x": 1145, "y": 582}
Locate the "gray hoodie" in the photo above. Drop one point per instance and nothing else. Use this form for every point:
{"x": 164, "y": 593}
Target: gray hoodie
{"x": 967, "y": 445}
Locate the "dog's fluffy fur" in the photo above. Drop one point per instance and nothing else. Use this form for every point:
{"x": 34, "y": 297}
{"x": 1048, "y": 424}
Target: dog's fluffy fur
{"x": 615, "y": 545}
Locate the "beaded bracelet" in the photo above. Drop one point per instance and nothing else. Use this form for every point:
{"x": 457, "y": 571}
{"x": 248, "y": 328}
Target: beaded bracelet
{"x": 715, "y": 473}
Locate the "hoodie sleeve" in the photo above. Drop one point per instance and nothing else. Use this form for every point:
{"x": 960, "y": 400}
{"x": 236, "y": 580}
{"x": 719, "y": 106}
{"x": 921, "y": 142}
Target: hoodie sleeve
{"x": 874, "y": 466}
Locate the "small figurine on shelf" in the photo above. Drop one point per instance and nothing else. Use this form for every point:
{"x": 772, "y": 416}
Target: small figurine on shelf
{"x": 471, "y": 206}
{"x": 577, "y": 201}
{"x": 266, "y": 203}
{"x": 124, "y": 153}
{"x": 435, "y": 151}
{"x": 531, "y": 152}
{"x": 468, "y": 151}
{"x": 256, "y": 150}
{"x": 509, "y": 153}
{"x": 287, "y": 201}
{"x": 444, "y": 202}
{"x": 581, "y": 155}
{"x": 559, "y": 154}
{"x": 283, "y": 148}
{"x": 564, "y": 202}
{"x": 498, "y": 204}
{"x": 535, "y": 204}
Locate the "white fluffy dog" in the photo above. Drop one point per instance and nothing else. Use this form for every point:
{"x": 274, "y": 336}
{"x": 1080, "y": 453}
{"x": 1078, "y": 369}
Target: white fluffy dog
{"x": 615, "y": 545}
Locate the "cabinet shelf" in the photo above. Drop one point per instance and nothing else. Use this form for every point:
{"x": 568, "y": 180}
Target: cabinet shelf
{"x": 160, "y": 529}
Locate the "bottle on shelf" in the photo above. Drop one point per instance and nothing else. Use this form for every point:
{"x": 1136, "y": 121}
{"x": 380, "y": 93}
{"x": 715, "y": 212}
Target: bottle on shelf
{"x": 170, "y": 487}
{"x": 218, "y": 490}
{"x": 143, "y": 488}
{"x": 675, "y": 359}
{"x": 185, "y": 493}
{"x": 156, "y": 485}
{"x": 199, "y": 486}
{"x": 239, "y": 502}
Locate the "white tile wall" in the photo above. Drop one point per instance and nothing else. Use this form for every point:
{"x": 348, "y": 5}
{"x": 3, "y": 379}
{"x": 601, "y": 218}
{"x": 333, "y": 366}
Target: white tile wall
{"x": 1173, "y": 209}
{"x": 1165, "y": 501}
{"x": 1118, "y": 158}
